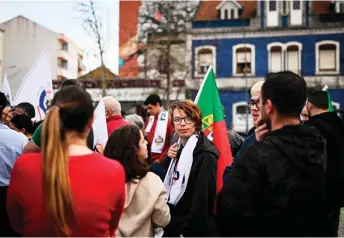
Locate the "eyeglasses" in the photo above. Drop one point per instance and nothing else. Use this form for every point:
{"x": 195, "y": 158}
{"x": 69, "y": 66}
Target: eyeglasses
{"x": 178, "y": 120}
{"x": 252, "y": 103}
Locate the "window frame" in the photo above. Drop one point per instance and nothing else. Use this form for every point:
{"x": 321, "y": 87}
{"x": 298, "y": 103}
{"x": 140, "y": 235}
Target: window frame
{"x": 253, "y": 60}
{"x": 317, "y": 57}
{"x": 196, "y": 65}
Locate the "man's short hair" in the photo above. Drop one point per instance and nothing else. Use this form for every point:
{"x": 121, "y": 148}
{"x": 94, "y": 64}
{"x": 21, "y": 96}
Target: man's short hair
{"x": 287, "y": 92}
{"x": 153, "y": 99}
{"x": 3, "y": 102}
{"x": 110, "y": 103}
{"x": 28, "y": 108}
{"x": 256, "y": 88}
{"x": 318, "y": 98}
{"x": 72, "y": 82}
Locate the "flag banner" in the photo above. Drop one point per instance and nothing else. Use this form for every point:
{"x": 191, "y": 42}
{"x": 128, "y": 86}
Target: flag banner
{"x": 99, "y": 127}
{"x": 6, "y": 89}
{"x": 37, "y": 87}
{"x": 330, "y": 105}
{"x": 213, "y": 123}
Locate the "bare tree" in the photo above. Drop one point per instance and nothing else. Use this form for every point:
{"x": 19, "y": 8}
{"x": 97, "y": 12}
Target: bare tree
{"x": 92, "y": 24}
{"x": 163, "y": 25}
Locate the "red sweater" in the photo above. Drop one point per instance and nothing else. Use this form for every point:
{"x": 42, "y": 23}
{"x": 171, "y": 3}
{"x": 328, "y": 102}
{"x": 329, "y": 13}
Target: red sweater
{"x": 169, "y": 134}
{"x": 98, "y": 188}
{"x": 114, "y": 122}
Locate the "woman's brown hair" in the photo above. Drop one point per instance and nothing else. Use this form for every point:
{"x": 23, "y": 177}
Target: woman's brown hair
{"x": 190, "y": 109}
{"x": 71, "y": 109}
{"x": 122, "y": 146}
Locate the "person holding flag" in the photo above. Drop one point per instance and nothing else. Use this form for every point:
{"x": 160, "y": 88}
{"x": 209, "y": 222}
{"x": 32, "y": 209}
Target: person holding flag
{"x": 331, "y": 127}
{"x": 191, "y": 177}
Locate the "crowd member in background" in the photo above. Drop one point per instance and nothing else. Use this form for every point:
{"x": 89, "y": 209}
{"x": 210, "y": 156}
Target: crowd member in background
{"x": 114, "y": 119}
{"x": 251, "y": 138}
{"x": 277, "y": 187}
{"x": 67, "y": 201}
{"x": 137, "y": 120}
{"x": 191, "y": 177}
{"x": 23, "y": 124}
{"x": 35, "y": 143}
{"x": 7, "y": 115}
{"x": 304, "y": 114}
{"x": 331, "y": 127}
{"x": 145, "y": 205}
{"x": 159, "y": 132}
{"x": 11, "y": 146}
{"x": 236, "y": 141}
{"x": 25, "y": 108}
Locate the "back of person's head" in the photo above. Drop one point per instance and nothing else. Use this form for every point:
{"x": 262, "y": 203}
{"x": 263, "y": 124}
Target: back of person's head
{"x": 72, "y": 82}
{"x": 23, "y": 124}
{"x": 137, "y": 120}
{"x": 256, "y": 88}
{"x": 3, "y": 101}
{"x": 287, "y": 92}
{"x": 112, "y": 104}
{"x": 318, "y": 98}
{"x": 153, "y": 99}
{"x": 26, "y": 108}
{"x": 123, "y": 145}
{"x": 71, "y": 111}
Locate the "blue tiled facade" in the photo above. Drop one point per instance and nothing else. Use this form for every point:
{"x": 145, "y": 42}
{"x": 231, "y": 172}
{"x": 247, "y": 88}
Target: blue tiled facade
{"x": 224, "y": 52}
{"x": 255, "y": 32}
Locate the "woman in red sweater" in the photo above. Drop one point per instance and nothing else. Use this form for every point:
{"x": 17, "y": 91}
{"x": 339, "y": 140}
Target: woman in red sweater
{"x": 67, "y": 190}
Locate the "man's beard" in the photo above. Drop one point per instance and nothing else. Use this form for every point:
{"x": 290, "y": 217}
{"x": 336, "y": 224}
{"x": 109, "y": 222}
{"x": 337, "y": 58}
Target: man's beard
{"x": 265, "y": 119}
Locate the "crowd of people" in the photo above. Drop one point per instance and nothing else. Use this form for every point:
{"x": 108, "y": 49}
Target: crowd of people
{"x": 158, "y": 177}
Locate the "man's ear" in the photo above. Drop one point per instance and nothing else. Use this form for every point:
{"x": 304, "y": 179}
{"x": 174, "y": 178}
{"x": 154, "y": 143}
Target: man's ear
{"x": 269, "y": 107}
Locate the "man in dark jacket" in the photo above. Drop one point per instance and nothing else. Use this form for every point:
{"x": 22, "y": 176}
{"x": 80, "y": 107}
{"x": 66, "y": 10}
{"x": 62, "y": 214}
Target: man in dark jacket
{"x": 331, "y": 127}
{"x": 277, "y": 187}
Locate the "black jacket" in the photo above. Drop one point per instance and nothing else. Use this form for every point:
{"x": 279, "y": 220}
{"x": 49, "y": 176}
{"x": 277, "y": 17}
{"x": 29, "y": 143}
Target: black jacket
{"x": 277, "y": 187}
{"x": 193, "y": 215}
{"x": 331, "y": 127}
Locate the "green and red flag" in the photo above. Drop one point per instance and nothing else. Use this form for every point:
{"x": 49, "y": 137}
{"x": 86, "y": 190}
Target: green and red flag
{"x": 213, "y": 123}
{"x": 330, "y": 106}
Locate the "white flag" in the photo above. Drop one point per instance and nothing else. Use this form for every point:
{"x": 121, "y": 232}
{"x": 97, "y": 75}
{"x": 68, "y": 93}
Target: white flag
{"x": 6, "y": 89}
{"x": 36, "y": 87}
{"x": 99, "y": 126}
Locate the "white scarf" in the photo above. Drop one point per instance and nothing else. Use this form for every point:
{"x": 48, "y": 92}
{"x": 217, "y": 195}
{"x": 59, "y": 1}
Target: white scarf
{"x": 160, "y": 131}
{"x": 177, "y": 175}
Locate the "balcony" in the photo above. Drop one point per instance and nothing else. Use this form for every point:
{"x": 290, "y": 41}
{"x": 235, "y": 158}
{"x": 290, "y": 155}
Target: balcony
{"x": 63, "y": 55}
{"x": 81, "y": 66}
{"x": 64, "y": 73}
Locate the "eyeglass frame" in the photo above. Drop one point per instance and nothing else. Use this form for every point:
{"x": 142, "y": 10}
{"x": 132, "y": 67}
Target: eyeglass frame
{"x": 183, "y": 119}
{"x": 252, "y": 102}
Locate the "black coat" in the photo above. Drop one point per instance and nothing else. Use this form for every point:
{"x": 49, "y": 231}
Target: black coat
{"x": 277, "y": 187}
{"x": 193, "y": 215}
{"x": 331, "y": 127}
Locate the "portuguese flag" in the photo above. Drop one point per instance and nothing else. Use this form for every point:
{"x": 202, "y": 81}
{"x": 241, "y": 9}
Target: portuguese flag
{"x": 330, "y": 106}
{"x": 213, "y": 123}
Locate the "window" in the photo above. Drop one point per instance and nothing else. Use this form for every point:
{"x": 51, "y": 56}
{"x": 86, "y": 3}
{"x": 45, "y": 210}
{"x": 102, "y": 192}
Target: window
{"x": 205, "y": 56}
{"x": 276, "y": 59}
{"x": 64, "y": 46}
{"x": 285, "y": 57}
{"x": 327, "y": 57}
{"x": 292, "y": 59}
{"x": 296, "y": 4}
{"x": 243, "y": 60}
{"x": 228, "y": 9}
{"x": 272, "y": 5}
{"x": 226, "y": 15}
{"x": 233, "y": 14}
{"x": 64, "y": 64}
{"x": 340, "y": 7}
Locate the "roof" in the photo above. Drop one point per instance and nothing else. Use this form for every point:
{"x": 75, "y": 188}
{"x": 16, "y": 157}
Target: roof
{"x": 96, "y": 74}
{"x": 207, "y": 9}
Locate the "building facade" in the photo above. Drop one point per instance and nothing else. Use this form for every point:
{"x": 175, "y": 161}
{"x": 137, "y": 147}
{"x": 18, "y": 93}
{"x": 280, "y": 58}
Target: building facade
{"x": 1, "y": 52}
{"x": 245, "y": 40}
{"x": 24, "y": 41}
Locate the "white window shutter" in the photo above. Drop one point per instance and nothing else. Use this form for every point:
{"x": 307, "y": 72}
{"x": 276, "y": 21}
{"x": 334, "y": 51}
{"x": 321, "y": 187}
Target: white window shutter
{"x": 293, "y": 61}
{"x": 327, "y": 60}
{"x": 243, "y": 57}
{"x": 276, "y": 61}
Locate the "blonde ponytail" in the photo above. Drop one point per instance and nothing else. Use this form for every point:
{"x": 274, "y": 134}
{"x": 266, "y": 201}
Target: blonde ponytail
{"x": 57, "y": 191}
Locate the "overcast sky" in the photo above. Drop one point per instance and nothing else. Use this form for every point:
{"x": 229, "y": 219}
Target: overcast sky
{"x": 62, "y": 17}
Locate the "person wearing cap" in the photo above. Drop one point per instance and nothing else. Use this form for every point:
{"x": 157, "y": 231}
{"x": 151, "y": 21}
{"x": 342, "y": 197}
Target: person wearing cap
{"x": 331, "y": 127}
